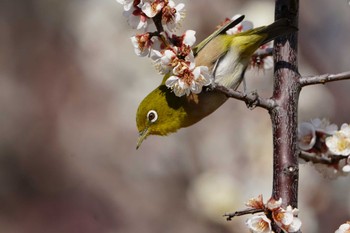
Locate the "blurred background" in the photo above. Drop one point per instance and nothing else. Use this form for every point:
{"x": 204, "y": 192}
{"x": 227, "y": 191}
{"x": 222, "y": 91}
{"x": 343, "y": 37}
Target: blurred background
{"x": 70, "y": 85}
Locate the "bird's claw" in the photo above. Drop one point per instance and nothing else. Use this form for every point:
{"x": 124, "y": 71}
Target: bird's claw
{"x": 252, "y": 99}
{"x": 211, "y": 87}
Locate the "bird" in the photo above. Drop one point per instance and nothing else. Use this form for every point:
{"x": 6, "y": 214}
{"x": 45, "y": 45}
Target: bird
{"x": 227, "y": 57}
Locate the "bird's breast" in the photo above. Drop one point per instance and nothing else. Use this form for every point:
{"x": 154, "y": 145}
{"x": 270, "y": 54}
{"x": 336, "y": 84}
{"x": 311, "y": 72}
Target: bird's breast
{"x": 229, "y": 68}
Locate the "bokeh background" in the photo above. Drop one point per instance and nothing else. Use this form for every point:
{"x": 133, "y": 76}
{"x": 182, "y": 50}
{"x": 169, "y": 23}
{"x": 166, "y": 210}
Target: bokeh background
{"x": 70, "y": 85}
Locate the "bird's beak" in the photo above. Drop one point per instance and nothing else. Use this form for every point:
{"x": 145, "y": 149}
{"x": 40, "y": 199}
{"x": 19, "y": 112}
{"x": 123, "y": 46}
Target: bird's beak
{"x": 142, "y": 136}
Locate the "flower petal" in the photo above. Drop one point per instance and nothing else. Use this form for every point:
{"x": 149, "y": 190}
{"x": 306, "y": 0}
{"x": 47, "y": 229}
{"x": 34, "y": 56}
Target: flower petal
{"x": 259, "y": 224}
{"x": 306, "y": 136}
{"x": 189, "y": 38}
{"x": 295, "y": 225}
{"x": 171, "y": 81}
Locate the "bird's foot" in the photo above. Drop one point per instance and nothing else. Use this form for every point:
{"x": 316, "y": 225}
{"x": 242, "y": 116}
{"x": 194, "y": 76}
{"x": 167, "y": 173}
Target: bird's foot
{"x": 252, "y": 99}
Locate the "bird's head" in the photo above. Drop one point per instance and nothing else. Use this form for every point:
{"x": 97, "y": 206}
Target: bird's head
{"x": 160, "y": 113}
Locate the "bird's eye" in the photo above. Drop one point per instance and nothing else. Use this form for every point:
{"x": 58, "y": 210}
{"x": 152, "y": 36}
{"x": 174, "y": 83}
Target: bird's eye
{"x": 152, "y": 116}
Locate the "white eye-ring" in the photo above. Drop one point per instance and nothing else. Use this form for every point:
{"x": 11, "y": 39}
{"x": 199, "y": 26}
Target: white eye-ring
{"x": 152, "y": 116}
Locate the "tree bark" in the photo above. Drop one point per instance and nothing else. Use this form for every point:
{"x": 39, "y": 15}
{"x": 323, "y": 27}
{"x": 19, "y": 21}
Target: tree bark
{"x": 284, "y": 116}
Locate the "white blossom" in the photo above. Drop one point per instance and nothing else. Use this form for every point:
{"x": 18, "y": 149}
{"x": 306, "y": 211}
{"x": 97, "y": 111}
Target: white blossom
{"x": 151, "y": 9}
{"x": 172, "y": 15}
{"x": 286, "y": 219}
{"x": 344, "y": 228}
{"x": 259, "y": 224}
{"x": 188, "y": 79}
{"x": 127, "y": 4}
{"x": 142, "y": 44}
{"x": 306, "y": 136}
{"x": 339, "y": 143}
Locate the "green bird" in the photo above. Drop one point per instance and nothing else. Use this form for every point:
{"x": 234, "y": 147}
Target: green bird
{"x": 227, "y": 57}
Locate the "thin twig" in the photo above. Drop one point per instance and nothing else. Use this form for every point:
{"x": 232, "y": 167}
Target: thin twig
{"x": 324, "y": 78}
{"x": 251, "y": 99}
{"x": 230, "y": 216}
{"x": 330, "y": 160}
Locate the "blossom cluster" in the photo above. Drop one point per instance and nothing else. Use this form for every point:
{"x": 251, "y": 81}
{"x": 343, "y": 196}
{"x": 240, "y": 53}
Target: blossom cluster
{"x": 326, "y": 141}
{"x": 141, "y": 12}
{"x": 286, "y": 219}
{"x": 173, "y": 54}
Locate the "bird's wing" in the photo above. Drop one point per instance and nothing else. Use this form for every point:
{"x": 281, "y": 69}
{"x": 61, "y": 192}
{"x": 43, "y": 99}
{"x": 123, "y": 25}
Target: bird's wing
{"x": 221, "y": 30}
{"x": 217, "y": 48}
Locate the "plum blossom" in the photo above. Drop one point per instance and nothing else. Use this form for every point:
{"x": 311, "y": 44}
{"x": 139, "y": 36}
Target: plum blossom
{"x": 136, "y": 18}
{"x": 274, "y": 204}
{"x": 142, "y": 44}
{"x": 127, "y": 4}
{"x": 323, "y": 125}
{"x": 172, "y": 15}
{"x": 286, "y": 219}
{"x": 188, "y": 78}
{"x": 346, "y": 167}
{"x": 167, "y": 59}
{"x": 262, "y": 58}
{"x": 256, "y": 203}
{"x": 141, "y": 12}
{"x": 306, "y": 136}
{"x": 184, "y": 76}
{"x": 259, "y": 224}
{"x": 312, "y": 135}
{"x": 152, "y": 8}
{"x": 325, "y": 141}
{"x": 339, "y": 143}
{"x": 344, "y": 228}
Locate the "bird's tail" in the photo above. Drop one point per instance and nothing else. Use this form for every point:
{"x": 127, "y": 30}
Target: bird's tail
{"x": 278, "y": 28}
{"x": 249, "y": 41}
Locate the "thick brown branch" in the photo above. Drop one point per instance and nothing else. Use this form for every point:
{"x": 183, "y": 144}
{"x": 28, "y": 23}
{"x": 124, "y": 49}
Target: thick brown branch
{"x": 284, "y": 116}
{"x": 324, "y": 78}
{"x": 230, "y": 216}
{"x": 251, "y": 99}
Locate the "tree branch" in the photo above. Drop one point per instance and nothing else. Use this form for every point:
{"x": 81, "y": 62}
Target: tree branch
{"x": 251, "y": 99}
{"x": 324, "y": 78}
{"x": 284, "y": 116}
{"x": 330, "y": 160}
{"x": 230, "y": 216}
{"x": 158, "y": 22}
